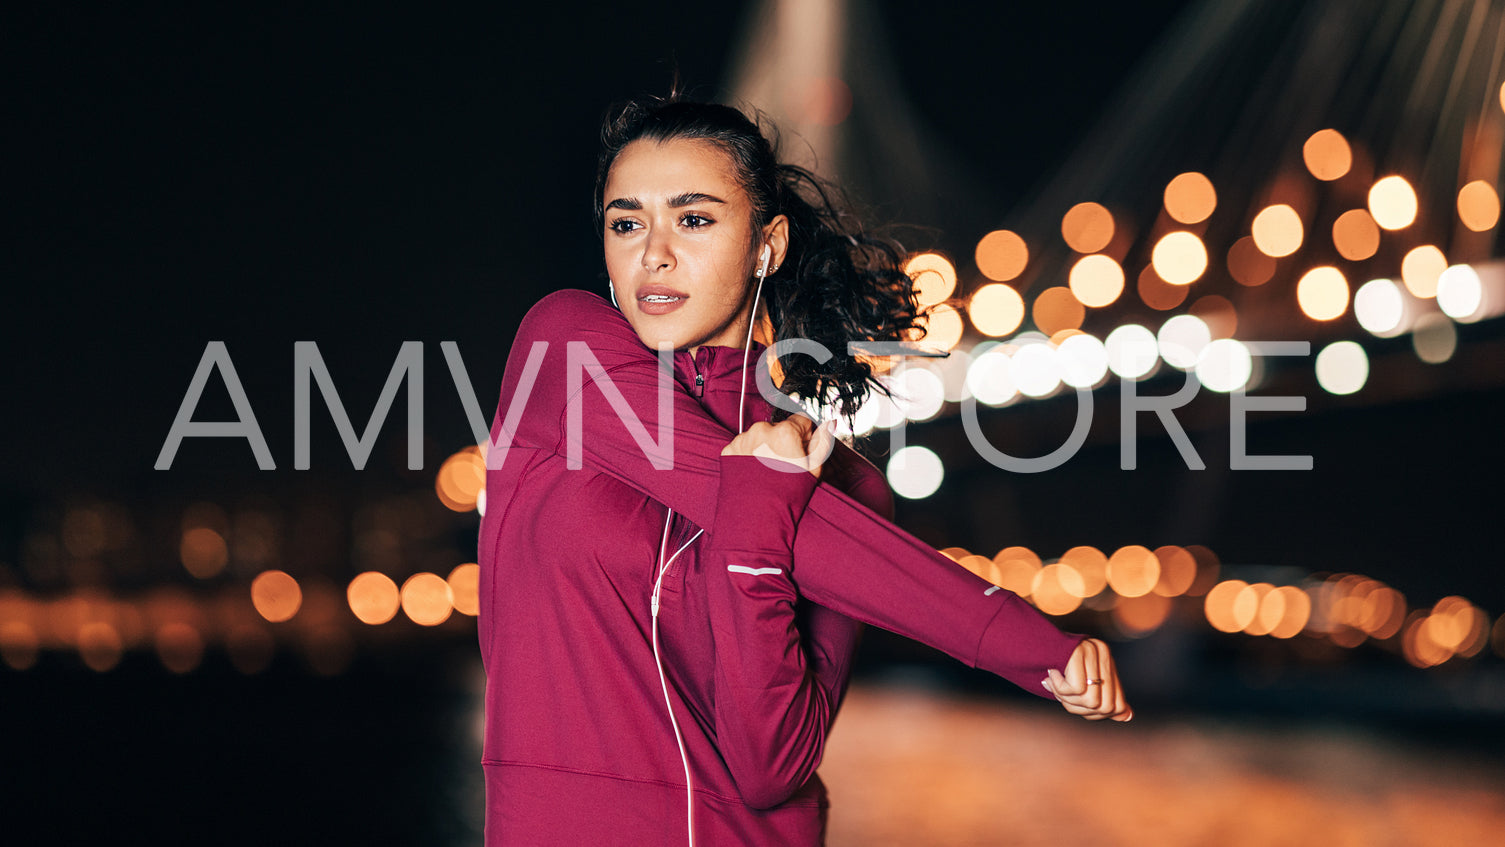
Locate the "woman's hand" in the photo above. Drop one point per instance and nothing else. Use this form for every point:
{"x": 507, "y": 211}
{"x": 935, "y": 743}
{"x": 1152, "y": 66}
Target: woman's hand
{"x": 1090, "y": 685}
{"x": 795, "y": 440}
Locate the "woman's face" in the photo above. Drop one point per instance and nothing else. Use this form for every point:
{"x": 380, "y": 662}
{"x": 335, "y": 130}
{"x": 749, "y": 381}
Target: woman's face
{"x": 679, "y": 243}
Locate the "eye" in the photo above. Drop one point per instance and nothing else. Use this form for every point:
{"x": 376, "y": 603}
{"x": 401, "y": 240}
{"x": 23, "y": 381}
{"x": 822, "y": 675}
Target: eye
{"x": 622, "y": 225}
{"x": 694, "y": 221}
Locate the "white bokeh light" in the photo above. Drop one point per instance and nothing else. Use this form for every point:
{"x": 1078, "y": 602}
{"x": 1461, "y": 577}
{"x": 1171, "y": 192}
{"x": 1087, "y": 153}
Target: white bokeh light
{"x": 915, "y": 472}
{"x": 1132, "y": 351}
{"x": 1036, "y": 370}
{"x": 1380, "y": 306}
{"x": 1084, "y": 361}
{"x": 919, "y": 393}
{"x": 1225, "y": 365}
{"x": 886, "y": 411}
{"x": 1460, "y": 295}
{"x": 1182, "y": 340}
{"x": 989, "y": 378}
{"x": 1342, "y": 367}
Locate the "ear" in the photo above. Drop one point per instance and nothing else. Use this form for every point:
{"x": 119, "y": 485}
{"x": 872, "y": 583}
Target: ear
{"x": 776, "y": 235}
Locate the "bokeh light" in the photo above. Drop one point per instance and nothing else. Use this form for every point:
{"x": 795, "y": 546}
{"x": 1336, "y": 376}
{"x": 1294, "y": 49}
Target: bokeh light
{"x": 1248, "y": 265}
{"x": 1277, "y": 231}
{"x": 1182, "y": 339}
{"x": 1036, "y": 370}
{"x": 1380, "y": 307}
{"x": 1355, "y": 235}
{"x": 1157, "y": 293}
{"x": 1225, "y": 365}
{"x": 1327, "y": 155}
{"x": 1139, "y": 616}
{"x": 465, "y": 587}
{"x": 1478, "y": 206}
{"x": 915, "y": 472}
{"x": 1096, "y": 280}
{"x": 1322, "y": 293}
{"x": 1392, "y": 203}
{"x": 426, "y": 599}
{"x": 1002, "y": 255}
{"x": 461, "y": 479}
{"x": 934, "y": 277}
{"x": 1133, "y": 571}
{"x": 1223, "y": 608}
{"x": 203, "y": 552}
{"x": 989, "y": 379}
{"x": 1057, "y": 589}
{"x": 1179, "y": 258}
{"x": 1091, "y": 564}
{"x": 1087, "y": 227}
{"x": 918, "y": 393}
{"x": 1342, "y": 367}
{"x": 1434, "y": 338}
{"x": 1178, "y": 569}
{"x": 1460, "y": 294}
{"x": 276, "y": 595}
{"x": 1132, "y": 351}
{"x": 943, "y": 327}
{"x": 1421, "y": 268}
{"x": 1083, "y": 361}
{"x": 1057, "y": 309}
{"x": 1014, "y": 568}
{"x": 1218, "y": 313}
{"x": 373, "y": 597}
{"x": 996, "y": 309}
{"x": 1190, "y": 198}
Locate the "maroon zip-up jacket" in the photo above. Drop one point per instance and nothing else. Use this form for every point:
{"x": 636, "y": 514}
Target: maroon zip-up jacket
{"x": 759, "y": 617}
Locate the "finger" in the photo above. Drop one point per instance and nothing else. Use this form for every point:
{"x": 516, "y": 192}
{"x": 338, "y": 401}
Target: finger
{"x": 821, "y": 445}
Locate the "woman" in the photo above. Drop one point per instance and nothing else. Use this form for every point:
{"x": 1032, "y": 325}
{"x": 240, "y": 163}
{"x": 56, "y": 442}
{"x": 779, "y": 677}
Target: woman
{"x": 671, "y": 592}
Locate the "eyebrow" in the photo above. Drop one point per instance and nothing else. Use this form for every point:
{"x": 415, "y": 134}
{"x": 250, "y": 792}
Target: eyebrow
{"x": 678, "y": 201}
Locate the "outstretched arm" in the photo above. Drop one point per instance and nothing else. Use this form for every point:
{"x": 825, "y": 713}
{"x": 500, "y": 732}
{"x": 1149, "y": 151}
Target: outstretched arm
{"x": 845, "y": 557}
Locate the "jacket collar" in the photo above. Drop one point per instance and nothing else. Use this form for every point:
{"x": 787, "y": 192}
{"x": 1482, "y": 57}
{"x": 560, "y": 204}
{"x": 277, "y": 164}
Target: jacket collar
{"x": 713, "y": 377}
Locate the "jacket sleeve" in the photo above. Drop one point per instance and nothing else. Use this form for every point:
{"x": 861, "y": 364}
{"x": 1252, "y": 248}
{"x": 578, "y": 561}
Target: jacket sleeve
{"x": 845, "y": 557}
{"x": 772, "y": 711}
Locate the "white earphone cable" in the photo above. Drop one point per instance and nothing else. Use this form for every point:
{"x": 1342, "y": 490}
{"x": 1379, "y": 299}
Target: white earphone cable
{"x": 663, "y": 566}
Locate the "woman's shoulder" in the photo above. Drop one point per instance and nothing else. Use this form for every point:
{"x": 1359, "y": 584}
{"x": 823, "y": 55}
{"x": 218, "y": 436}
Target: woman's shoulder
{"x": 571, "y": 314}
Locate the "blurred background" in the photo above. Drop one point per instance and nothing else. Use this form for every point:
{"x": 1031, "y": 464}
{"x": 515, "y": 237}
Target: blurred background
{"x": 215, "y": 638}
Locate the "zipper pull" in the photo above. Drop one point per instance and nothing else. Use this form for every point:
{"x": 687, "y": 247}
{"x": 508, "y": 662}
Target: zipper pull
{"x": 699, "y": 384}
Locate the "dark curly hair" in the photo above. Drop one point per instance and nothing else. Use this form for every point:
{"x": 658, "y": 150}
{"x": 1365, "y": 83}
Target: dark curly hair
{"x": 837, "y": 284}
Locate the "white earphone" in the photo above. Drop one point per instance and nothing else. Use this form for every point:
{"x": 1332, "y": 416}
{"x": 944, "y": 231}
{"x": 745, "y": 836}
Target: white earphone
{"x": 611, "y": 288}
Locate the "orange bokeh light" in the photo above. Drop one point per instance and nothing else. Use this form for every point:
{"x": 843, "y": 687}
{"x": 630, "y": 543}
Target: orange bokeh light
{"x": 1220, "y": 606}
{"x": 934, "y": 277}
{"x": 1190, "y": 198}
{"x": 1178, "y": 569}
{"x": 1478, "y": 206}
{"x": 1133, "y": 571}
{"x": 943, "y": 327}
{"x": 1057, "y": 309}
{"x": 373, "y": 597}
{"x": 465, "y": 585}
{"x": 1091, "y": 564}
{"x": 1248, "y": 265}
{"x": 1002, "y": 255}
{"x": 1421, "y": 268}
{"x": 1277, "y": 231}
{"x": 427, "y": 599}
{"x": 1087, "y": 227}
{"x": 1159, "y": 294}
{"x": 1327, "y": 155}
{"x": 1356, "y": 235}
{"x": 276, "y": 595}
{"x": 1014, "y": 568}
{"x": 1057, "y": 589}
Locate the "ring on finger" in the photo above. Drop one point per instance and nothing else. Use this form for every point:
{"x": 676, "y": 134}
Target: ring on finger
{"x": 1094, "y": 682}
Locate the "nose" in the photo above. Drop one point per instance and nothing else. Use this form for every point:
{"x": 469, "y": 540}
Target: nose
{"x": 658, "y": 252}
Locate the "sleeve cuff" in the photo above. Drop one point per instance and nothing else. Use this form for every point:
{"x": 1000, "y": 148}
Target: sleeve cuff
{"x": 758, "y": 507}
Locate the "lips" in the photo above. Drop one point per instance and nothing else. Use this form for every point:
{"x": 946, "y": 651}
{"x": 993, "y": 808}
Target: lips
{"x": 660, "y": 299}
